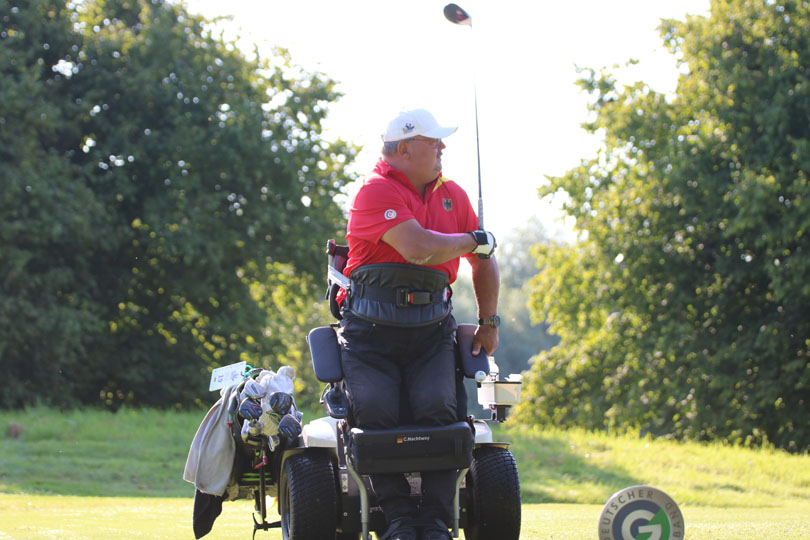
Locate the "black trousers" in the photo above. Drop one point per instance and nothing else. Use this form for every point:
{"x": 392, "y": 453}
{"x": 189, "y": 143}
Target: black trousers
{"x": 397, "y": 376}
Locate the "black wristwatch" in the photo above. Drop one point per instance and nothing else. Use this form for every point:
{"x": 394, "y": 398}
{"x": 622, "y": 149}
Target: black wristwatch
{"x": 494, "y": 321}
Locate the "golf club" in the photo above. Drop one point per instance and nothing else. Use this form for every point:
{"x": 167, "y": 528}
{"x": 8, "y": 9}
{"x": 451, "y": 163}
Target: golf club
{"x": 253, "y": 390}
{"x": 281, "y": 402}
{"x": 250, "y": 409}
{"x": 457, "y": 15}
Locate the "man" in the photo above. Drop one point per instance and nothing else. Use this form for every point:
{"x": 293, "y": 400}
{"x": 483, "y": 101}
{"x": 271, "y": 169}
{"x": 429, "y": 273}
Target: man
{"x": 408, "y": 227}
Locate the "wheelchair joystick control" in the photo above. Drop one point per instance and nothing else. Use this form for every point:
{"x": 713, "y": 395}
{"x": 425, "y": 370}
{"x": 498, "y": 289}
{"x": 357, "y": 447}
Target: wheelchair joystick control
{"x": 336, "y": 404}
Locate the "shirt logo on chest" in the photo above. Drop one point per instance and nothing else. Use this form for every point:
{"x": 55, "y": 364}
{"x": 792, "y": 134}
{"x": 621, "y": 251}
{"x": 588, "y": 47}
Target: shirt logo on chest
{"x": 390, "y": 214}
{"x": 447, "y": 204}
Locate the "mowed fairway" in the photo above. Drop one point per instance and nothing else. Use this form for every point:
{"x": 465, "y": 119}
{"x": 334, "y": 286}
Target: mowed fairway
{"x": 95, "y": 475}
{"x": 43, "y": 517}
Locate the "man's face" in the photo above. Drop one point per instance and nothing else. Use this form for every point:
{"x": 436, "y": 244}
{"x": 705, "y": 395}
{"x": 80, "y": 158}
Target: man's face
{"x": 425, "y": 157}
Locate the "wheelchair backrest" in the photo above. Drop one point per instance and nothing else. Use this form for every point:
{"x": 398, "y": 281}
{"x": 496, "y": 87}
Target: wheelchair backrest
{"x": 337, "y": 257}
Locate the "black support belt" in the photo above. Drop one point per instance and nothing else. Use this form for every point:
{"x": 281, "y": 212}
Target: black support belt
{"x": 401, "y": 296}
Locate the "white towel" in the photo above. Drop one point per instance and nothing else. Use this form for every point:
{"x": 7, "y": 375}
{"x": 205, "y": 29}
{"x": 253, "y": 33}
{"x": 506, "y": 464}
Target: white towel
{"x": 210, "y": 458}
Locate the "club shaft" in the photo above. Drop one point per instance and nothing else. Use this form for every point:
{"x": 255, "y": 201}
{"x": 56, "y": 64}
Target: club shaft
{"x": 478, "y": 156}
{"x": 477, "y": 146}
{"x": 457, "y": 15}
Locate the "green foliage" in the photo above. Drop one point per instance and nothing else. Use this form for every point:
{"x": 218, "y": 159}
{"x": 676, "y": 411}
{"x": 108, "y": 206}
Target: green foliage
{"x": 682, "y": 309}
{"x": 51, "y": 308}
{"x": 294, "y": 307}
{"x": 155, "y": 179}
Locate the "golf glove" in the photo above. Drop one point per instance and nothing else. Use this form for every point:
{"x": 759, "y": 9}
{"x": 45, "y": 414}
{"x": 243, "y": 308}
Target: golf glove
{"x": 486, "y": 244}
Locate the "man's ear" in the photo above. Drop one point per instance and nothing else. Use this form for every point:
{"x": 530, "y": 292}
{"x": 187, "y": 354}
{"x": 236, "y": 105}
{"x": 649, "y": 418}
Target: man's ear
{"x": 402, "y": 148}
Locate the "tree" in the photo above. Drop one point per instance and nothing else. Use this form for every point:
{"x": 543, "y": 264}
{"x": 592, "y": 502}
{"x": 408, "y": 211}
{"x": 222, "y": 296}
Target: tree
{"x": 51, "y": 309}
{"x": 682, "y": 309}
{"x": 184, "y": 174}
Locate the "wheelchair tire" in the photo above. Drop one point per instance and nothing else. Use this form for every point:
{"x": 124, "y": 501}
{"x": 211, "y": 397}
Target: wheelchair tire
{"x": 308, "y": 498}
{"x": 495, "y": 487}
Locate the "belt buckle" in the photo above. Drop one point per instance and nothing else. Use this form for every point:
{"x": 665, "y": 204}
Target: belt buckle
{"x": 402, "y": 296}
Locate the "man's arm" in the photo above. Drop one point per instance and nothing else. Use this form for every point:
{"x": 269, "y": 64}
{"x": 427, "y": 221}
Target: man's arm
{"x": 418, "y": 245}
{"x": 486, "y": 284}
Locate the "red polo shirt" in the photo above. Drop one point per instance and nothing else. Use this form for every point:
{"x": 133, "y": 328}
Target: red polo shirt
{"x": 388, "y": 198}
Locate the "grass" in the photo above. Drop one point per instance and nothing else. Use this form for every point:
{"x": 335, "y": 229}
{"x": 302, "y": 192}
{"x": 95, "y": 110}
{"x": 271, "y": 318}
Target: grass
{"x": 44, "y": 517}
{"x": 132, "y": 453}
{"x": 91, "y": 475}
{"x": 577, "y": 466}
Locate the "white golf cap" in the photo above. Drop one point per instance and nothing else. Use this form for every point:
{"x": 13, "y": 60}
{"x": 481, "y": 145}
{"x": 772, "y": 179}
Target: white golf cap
{"x": 415, "y": 122}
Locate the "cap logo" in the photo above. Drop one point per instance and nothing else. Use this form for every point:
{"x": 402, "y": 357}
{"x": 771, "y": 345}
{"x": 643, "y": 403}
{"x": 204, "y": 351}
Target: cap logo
{"x": 390, "y": 214}
{"x": 408, "y": 128}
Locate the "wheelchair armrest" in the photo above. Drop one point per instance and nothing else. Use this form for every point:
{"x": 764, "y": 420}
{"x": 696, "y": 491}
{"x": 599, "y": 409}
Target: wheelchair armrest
{"x": 325, "y": 351}
{"x": 470, "y": 364}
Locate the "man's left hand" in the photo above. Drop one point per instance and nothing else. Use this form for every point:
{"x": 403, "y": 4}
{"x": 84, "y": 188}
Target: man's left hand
{"x": 486, "y": 337}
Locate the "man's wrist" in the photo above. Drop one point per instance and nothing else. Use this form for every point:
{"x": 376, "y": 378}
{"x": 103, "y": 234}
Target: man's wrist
{"x": 493, "y": 321}
{"x": 480, "y": 237}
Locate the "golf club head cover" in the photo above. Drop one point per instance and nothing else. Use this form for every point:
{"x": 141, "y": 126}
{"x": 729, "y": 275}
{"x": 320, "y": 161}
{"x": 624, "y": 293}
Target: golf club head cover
{"x": 281, "y": 402}
{"x": 250, "y": 409}
{"x": 289, "y": 427}
{"x": 253, "y": 390}
{"x": 486, "y": 244}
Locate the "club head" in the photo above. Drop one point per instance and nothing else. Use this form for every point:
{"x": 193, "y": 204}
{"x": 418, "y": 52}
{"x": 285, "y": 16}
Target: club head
{"x": 250, "y": 409}
{"x": 281, "y": 402}
{"x": 456, "y": 15}
{"x": 289, "y": 427}
{"x": 253, "y": 390}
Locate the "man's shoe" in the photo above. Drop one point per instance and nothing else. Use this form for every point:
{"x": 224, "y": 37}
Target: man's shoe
{"x": 400, "y": 529}
{"x": 436, "y": 531}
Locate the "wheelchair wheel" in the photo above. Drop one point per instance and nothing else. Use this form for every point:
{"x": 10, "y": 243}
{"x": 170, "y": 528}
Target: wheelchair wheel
{"x": 495, "y": 487}
{"x": 308, "y": 498}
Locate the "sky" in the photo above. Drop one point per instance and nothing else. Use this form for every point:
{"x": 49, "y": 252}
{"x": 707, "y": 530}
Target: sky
{"x": 519, "y": 58}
